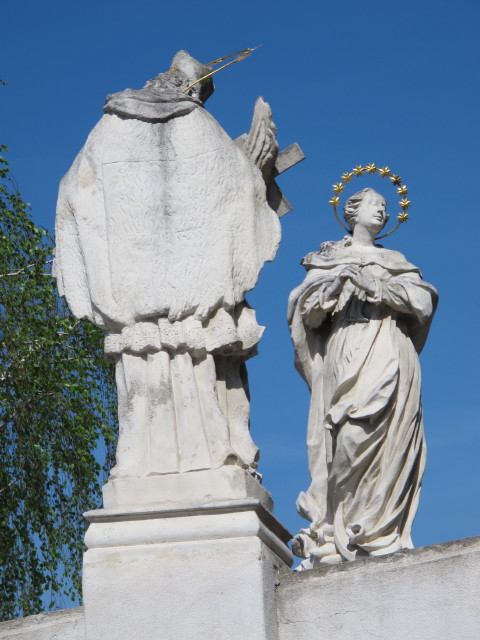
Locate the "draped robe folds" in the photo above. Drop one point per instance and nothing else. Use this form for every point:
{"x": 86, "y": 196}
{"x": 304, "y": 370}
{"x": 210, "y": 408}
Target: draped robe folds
{"x": 162, "y": 227}
{"x": 366, "y": 449}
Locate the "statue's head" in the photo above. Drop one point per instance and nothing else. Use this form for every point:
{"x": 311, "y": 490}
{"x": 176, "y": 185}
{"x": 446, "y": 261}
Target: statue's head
{"x": 185, "y": 71}
{"x": 368, "y": 208}
{"x": 187, "y": 67}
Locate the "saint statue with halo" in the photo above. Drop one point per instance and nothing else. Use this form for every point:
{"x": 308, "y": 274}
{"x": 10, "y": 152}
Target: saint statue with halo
{"x": 163, "y": 224}
{"x": 358, "y": 322}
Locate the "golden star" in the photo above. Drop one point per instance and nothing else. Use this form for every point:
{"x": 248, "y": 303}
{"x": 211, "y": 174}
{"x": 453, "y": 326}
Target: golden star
{"x": 359, "y": 171}
{"x": 346, "y": 177}
{"x": 335, "y": 201}
{"x": 404, "y": 203}
{"x": 384, "y": 172}
{"x": 402, "y": 217}
{"x": 396, "y": 179}
{"x": 402, "y": 191}
{"x": 370, "y": 168}
{"x": 338, "y": 188}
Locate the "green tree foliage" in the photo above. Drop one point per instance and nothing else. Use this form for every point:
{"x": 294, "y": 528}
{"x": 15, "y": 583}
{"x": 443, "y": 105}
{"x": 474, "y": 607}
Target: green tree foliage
{"x": 57, "y": 419}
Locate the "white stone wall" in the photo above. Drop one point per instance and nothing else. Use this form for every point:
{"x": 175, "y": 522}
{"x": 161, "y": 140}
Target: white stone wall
{"x": 431, "y": 593}
{"x": 66, "y": 624}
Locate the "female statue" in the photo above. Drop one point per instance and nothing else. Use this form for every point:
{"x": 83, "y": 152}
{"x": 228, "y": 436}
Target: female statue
{"x": 358, "y": 322}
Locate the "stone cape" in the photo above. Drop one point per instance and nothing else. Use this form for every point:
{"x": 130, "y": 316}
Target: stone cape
{"x": 150, "y": 105}
{"x": 359, "y": 356}
{"x": 163, "y": 218}
{"x": 162, "y": 227}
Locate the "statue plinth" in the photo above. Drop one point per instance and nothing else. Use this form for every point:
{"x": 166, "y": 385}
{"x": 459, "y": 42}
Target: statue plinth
{"x": 163, "y": 225}
{"x": 200, "y": 562}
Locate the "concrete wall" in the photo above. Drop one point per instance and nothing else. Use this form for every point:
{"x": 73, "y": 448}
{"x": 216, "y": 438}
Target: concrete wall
{"x": 66, "y": 624}
{"x": 431, "y": 593}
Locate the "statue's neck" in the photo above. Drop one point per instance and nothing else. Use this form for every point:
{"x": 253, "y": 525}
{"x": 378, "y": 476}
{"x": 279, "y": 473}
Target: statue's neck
{"x": 362, "y": 237}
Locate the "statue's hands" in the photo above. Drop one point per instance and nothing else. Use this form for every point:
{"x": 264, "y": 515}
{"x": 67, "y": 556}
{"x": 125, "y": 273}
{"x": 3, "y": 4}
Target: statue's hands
{"x": 348, "y": 273}
{"x": 363, "y": 282}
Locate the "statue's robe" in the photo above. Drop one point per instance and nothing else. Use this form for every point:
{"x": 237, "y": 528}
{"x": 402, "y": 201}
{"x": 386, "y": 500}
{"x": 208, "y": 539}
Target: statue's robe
{"x": 162, "y": 227}
{"x": 359, "y": 356}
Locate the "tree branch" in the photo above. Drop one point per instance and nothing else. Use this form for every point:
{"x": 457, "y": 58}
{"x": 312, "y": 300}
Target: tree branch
{"x": 24, "y": 270}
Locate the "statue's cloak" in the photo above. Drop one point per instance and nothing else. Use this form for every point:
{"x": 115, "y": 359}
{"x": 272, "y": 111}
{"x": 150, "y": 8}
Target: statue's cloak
{"x": 161, "y": 214}
{"x": 322, "y": 268}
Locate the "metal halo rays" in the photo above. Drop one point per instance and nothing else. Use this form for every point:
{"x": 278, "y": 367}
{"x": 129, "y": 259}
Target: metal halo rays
{"x": 384, "y": 172}
{"x": 241, "y": 55}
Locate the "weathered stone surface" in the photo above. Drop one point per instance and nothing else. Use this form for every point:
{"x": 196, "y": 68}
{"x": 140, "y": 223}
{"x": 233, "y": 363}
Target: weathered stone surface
{"x": 66, "y": 624}
{"x": 196, "y": 573}
{"x": 163, "y": 225}
{"x": 184, "y": 490}
{"x": 288, "y": 157}
{"x": 430, "y": 593}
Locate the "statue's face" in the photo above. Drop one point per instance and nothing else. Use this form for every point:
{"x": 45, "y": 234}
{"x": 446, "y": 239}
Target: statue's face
{"x": 372, "y": 212}
{"x": 204, "y": 89}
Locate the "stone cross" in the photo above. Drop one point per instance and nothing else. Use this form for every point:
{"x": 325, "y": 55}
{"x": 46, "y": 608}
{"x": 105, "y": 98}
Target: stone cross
{"x": 287, "y": 158}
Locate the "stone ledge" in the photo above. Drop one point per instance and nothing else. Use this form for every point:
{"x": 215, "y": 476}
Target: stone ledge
{"x": 429, "y": 593}
{"x": 406, "y": 557}
{"x": 64, "y": 624}
{"x": 112, "y": 528}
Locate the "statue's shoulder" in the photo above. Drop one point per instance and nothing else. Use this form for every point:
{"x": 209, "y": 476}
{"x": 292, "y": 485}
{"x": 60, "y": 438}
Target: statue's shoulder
{"x": 332, "y": 253}
{"x": 393, "y": 254}
{"x": 328, "y": 251}
{"x": 398, "y": 262}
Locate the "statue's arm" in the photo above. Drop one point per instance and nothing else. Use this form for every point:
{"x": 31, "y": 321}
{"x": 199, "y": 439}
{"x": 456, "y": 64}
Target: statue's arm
{"x": 260, "y": 143}
{"x": 316, "y": 306}
{"x": 261, "y": 146}
{"x": 323, "y": 298}
{"x": 408, "y": 294}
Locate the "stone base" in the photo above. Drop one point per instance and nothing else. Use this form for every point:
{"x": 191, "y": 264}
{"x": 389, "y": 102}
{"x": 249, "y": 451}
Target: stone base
{"x": 181, "y": 489}
{"x": 430, "y": 593}
{"x": 194, "y": 564}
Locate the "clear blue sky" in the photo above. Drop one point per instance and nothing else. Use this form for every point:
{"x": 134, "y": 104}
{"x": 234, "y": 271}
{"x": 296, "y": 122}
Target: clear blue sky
{"x": 390, "y": 83}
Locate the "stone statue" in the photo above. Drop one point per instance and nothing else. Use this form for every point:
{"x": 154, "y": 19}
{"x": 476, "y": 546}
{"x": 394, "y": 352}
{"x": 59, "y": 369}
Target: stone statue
{"x": 358, "y": 322}
{"x": 163, "y": 224}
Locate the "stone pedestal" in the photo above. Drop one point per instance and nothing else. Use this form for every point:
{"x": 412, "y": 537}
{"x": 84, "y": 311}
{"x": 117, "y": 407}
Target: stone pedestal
{"x": 192, "y": 555}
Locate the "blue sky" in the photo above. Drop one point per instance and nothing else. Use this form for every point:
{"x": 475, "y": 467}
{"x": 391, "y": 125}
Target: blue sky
{"x": 352, "y": 83}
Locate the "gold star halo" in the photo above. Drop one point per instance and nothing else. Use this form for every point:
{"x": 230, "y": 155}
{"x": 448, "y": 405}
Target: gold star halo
{"x": 384, "y": 172}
